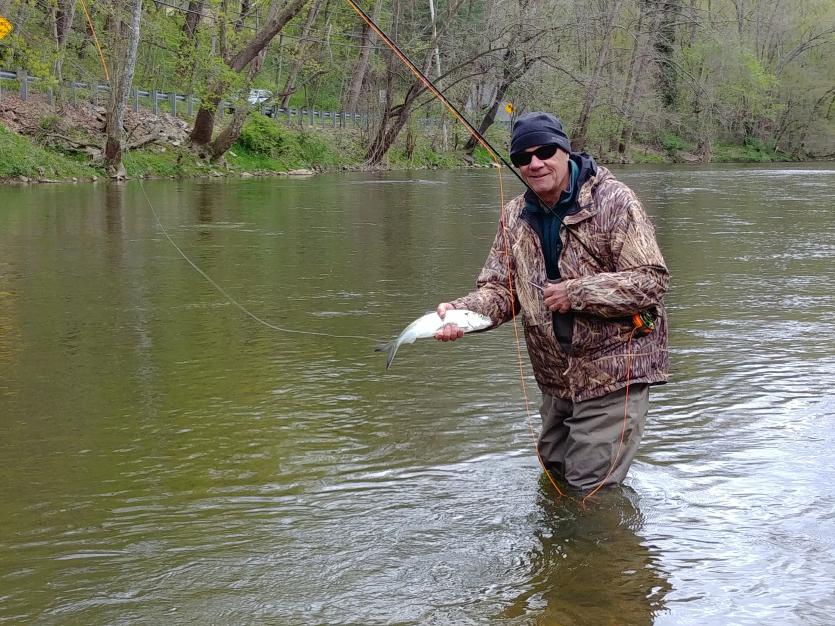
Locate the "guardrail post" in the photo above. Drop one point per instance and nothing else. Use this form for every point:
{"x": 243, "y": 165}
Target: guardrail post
{"x": 23, "y": 79}
{"x": 154, "y": 101}
{"x": 172, "y": 99}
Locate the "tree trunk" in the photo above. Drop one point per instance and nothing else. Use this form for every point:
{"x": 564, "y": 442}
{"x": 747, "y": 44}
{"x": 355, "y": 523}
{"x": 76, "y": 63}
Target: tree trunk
{"x": 192, "y": 21}
{"x": 298, "y": 61}
{"x": 204, "y": 122}
{"x": 201, "y": 134}
{"x": 394, "y": 118}
{"x": 389, "y": 129}
{"x": 489, "y": 116}
{"x": 579, "y": 138}
{"x": 64, "y": 16}
{"x": 229, "y": 135}
{"x": 246, "y": 7}
{"x": 361, "y": 67}
{"x": 186, "y": 60}
{"x": 123, "y": 63}
{"x": 640, "y": 61}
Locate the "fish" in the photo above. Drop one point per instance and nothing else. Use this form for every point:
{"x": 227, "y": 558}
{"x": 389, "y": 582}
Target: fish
{"x": 430, "y": 324}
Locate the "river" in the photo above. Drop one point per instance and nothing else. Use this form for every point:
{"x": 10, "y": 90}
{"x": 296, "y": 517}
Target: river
{"x": 166, "y": 458}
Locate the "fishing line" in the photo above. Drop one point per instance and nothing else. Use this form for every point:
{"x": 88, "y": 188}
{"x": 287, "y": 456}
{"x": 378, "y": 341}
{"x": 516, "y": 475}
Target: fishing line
{"x": 188, "y": 260}
{"x": 226, "y": 294}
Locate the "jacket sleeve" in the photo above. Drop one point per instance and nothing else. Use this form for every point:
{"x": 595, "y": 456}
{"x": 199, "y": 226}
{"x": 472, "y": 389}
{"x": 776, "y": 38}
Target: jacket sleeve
{"x": 640, "y": 277}
{"x": 492, "y": 296}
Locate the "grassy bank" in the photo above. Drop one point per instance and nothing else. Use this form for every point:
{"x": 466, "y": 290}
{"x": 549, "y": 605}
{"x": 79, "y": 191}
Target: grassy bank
{"x": 268, "y": 148}
{"x": 21, "y": 158}
{"x": 264, "y": 148}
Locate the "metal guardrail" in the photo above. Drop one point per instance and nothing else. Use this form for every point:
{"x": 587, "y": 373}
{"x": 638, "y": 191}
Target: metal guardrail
{"x": 337, "y": 119}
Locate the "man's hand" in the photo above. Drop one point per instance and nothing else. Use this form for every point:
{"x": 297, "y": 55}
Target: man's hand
{"x": 450, "y": 332}
{"x": 556, "y": 297}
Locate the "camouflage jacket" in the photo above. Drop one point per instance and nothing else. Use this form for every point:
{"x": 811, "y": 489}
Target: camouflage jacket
{"x": 615, "y": 232}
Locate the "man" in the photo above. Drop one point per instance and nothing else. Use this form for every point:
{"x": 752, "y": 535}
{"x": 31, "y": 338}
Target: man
{"x": 577, "y": 258}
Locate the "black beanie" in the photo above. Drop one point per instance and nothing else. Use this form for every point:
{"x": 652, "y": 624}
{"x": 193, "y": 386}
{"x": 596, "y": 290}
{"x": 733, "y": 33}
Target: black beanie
{"x": 537, "y": 129}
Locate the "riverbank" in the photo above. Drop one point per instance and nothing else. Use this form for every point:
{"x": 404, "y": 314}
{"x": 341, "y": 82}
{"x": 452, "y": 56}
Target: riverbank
{"x": 41, "y": 144}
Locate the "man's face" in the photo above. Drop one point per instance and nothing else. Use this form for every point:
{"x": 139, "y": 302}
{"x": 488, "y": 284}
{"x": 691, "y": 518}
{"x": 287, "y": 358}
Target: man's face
{"x": 547, "y": 177}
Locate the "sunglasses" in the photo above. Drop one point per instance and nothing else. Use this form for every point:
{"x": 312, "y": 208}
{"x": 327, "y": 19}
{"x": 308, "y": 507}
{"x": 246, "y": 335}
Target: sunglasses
{"x": 521, "y": 159}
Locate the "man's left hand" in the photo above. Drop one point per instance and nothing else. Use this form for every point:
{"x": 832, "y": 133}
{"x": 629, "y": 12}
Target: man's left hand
{"x": 556, "y": 297}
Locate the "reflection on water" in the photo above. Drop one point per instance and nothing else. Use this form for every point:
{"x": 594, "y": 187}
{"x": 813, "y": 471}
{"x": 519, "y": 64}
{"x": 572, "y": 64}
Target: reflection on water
{"x": 165, "y": 459}
{"x": 591, "y": 565}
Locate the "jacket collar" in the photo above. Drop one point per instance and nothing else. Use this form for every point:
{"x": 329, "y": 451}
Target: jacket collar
{"x": 585, "y": 199}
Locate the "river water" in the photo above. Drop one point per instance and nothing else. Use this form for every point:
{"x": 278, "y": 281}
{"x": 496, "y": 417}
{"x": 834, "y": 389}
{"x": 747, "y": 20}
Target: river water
{"x": 164, "y": 458}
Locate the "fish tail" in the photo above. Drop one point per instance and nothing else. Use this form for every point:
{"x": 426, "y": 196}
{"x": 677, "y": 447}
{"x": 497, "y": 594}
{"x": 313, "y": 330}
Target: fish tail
{"x": 390, "y": 349}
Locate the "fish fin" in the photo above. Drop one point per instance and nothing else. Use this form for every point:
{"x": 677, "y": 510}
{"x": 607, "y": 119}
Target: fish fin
{"x": 390, "y": 349}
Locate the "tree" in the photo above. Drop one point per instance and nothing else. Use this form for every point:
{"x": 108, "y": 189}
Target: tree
{"x": 124, "y": 41}
{"x": 610, "y": 14}
{"x": 395, "y": 116}
{"x": 63, "y": 14}
{"x": 301, "y": 51}
{"x": 648, "y": 27}
{"x": 236, "y": 63}
{"x": 361, "y": 66}
{"x": 522, "y": 35}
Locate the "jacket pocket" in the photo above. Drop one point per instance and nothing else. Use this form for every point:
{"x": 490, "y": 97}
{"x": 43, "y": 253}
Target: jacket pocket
{"x": 594, "y": 336}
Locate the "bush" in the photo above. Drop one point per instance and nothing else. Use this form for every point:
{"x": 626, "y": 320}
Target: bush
{"x": 751, "y": 151}
{"x": 263, "y": 136}
{"x": 672, "y": 142}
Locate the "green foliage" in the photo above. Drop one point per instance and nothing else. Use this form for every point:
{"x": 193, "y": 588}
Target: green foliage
{"x": 643, "y": 155}
{"x": 168, "y": 163}
{"x": 751, "y": 151}
{"x": 423, "y": 156}
{"x": 671, "y": 142}
{"x": 264, "y": 137}
{"x": 267, "y": 144}
{"x": 732, "y": 81}
{"x": 481, "y": 156}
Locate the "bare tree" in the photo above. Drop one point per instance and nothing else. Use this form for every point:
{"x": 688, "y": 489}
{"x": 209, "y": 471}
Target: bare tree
{"x": 610, "y": 14}
{"x": 361, "y": 67}
{"x": 652, "y": 14}
{"x": 395, "y": 116}
{"x": 63, "y": 14}
{"x": 124, "y": 40}
{"x": 301, "y": 50}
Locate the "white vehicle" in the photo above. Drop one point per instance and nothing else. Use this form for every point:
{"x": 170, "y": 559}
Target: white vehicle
{"x": 257, "y": 96}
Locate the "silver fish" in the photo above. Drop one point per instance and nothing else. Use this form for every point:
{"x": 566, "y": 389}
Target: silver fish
{"x": 430, "y": 324}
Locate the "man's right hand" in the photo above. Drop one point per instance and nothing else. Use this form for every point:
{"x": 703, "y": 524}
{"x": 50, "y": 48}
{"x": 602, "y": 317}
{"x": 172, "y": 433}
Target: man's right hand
{"x": 449, "y": 332}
